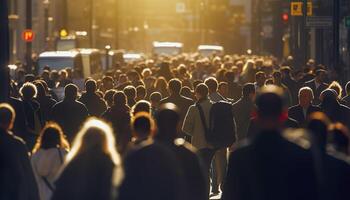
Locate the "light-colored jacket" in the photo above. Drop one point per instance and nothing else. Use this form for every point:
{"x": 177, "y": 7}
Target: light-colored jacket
{"x": 192, "y": 124}
{"x": 46, "y": 164}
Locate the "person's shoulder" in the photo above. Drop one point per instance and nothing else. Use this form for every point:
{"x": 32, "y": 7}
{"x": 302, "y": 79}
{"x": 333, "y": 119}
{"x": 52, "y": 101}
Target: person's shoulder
{"x": 186, "y": 99}
{"x": 310, "y": 82}
{"x": 293, "y": 108}
{"x": 165, "y": 100}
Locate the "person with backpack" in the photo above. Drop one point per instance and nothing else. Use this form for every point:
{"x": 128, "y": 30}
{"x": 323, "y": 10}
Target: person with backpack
{"x": 48, "y": 157}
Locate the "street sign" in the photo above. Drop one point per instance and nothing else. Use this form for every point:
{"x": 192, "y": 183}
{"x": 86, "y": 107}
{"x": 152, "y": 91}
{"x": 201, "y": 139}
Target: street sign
{"x": 296, "y": 8}
{"x": 347, "y": 21}
{"x": 319, "y": 22}
{"x": 28, "y": 35}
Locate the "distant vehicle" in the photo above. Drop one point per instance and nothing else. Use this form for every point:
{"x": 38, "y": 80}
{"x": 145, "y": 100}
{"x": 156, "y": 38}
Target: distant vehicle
{"x": 92, "y": 65}
{"x": 131, "y": 57}
{"x": 209, "y": 50}
{"x": 58, "y": 60}
{"x": 167, "y": 48}
{"x": 120, "y": 56}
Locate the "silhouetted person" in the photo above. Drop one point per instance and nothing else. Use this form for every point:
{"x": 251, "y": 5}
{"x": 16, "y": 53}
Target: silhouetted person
{"x": 151, "y": 169}
{"x": 92, "y": 169}
{"x": 168, "y": 121}
{"x": 45, "y": 100}
{"x": 243, "y": 110}
{"x": 183, "y": 103}
{"x": 164, "y": 71}
{"x": 93, "y": 102}
{"x": 234, "y": 88}
{"x": 130, "y": 93}
{"x": 332, "y": 171}
{"x": 301, "y": 111}
{"x": 291, "y": 84}
{"x": 269, "y": 167}
{"x": 119, "y": 116}
{"x": 17, "y": 180}
{"x": 317, "y": 85}
{"x": 141, "y": 106}
{"x": 69, "y": 113}
{"x": 346, "y": 99}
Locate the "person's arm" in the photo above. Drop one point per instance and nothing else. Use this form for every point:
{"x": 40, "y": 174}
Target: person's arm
{"x": 188, "y": 124}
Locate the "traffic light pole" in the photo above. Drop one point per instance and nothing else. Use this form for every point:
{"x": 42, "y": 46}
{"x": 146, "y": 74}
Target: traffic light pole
{"x": 29, "y": 44}
{"x": 4, "y": 51}
{"x": 336, "y": 21}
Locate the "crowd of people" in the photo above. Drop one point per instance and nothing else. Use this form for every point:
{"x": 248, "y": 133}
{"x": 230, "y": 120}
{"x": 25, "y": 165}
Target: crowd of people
{"x": 145, "y": 130}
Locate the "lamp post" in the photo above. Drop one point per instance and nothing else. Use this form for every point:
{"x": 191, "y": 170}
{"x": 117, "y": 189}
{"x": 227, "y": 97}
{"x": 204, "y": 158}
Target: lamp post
{"x": 107, "y": 48}
{"x": 46, "y": 4}
{"x": 4, "y": 51}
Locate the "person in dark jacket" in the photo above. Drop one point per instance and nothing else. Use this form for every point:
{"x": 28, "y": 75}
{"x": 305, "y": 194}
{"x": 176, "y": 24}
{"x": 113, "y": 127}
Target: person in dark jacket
{"x": 32, "y": 113}
{"x": 346, "y": 99}
{"x": 333, "y": 109}
{"x": 92, "y": 169}
{"x": 243, "y": 110}
{"x": 20, "y": 124}
{"x": 130, "y": 93}
{"x": 94, "y": 103}
{"x": 168, "y": 121}
{"x": 183, "y": 103}
{"x": 164, "y": 71}
{"x": 119, "y": 116}
{"x": 291, "y": 84}
{"x": 301, "y": 111}
{"x": 69, "y": 113}
{"x": 17, "y": 180}
{"x": 46, "y": 101}
{"x": 317, "y": 85}
{"x": 269, "y": 167}
{"x": 234, "y": 88}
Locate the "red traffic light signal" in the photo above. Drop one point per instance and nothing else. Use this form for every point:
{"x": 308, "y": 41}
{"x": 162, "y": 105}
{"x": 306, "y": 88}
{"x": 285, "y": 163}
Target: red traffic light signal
{"x": 28, "y": 35}
{"x": 285, "y": 17}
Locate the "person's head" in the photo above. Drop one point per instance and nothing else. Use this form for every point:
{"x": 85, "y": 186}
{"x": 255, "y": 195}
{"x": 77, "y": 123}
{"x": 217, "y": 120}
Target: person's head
{"x": 45, "y": 75}
{"x": 201, "y": 91}
{"x": 174, "y": 86}
{"x": 142, "y": 125}
{"x": 155, "y": 99}
{"x": 187, "y": 92}
{"x": 146, "y": 72}
{"x": 70, "y": 92}
{"x": 347, "y": 88}
{"x": 328, "y": 97}
{"x": 96, "y": 136}
{"x": 223, "y": 89}
{"x": 230, "y": 76}
{"x": 63, "y": 74}
{"x": 7, "y": 116}
{"x": 168, "y": 119}
{"x": 321, "y": 75}
{"x": 140, "y": 92}
{"x": 107, "y": 82}
{"x": 277, "y": 77}
{"x": 161, "y": 83}
{"x": 141, "y": 106}
{"x": 123, "y": 78}
{"x": 306, "y": 95}
{"x": 337, "y": 88}
{"x": 119, "y": 98}
{"x": 90, "y": 86}
{"x": 108, "y": 97}
{"x": 130, "y": 92}
{"x": 340, "y": 138}
{"x": 41, "y": 91}
{"x": 318, "y": 124}
{"x": 28, "y": 91}
{"x": 260, "y": 78}
{"x": 285, "y": 71}
{"x": 270, "y": 106}
{"x": 212, "y": 84}
{"x": 248, "y": 91}
{"x": 51, "y": 136}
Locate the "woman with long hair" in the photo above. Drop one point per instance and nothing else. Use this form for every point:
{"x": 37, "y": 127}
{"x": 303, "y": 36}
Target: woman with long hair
{"x": 48, "y": 156}
{"x": 93, "y": 168}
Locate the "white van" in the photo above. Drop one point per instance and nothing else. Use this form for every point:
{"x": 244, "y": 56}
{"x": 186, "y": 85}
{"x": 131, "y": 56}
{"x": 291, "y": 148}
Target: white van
{"x": 209, "y": 50}
{"x": 167, "y": 48}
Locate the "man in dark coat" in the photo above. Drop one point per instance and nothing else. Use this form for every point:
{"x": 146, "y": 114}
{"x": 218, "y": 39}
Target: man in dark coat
{"x": 243, "y": 110}
{"x": 20, "y": 124}
{"x": 292, "y": 84}
{"x": 301, "y": 111}
{"x": 17, "y": 180}
{"x": 94, "y": 103}
{"x": 183, "y": 103}
{"x": 269, "y": 167}
{"x": 69, "y": 113}
{"x": 346, "y": 99}
{"x": 317, "y": 85}
{"x": 168, "y": 120}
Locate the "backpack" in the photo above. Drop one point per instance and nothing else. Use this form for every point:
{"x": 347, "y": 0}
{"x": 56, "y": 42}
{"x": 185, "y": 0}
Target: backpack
{"x": 222, "y": 129}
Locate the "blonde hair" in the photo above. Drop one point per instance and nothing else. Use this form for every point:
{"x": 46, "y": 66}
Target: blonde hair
{"x": 108, "y": 144}
{"x": 337, "y": 88}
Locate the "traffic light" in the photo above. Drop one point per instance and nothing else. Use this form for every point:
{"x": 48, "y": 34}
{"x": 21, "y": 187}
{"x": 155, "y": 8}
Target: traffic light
{"x": 285, "y": 17}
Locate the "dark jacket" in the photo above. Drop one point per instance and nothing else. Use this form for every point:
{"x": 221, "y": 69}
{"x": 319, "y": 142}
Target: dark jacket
{"x": 119, "y": 117}
{"x": 243, "y": 110}
{"x": 311, "y": 84}
{"x": 293, "y": 87}
{"x": 17, "y": 180}
{"x": 254, "y": 127}
{"x": 270, "y": 168}
{"x": 46, "y": 104}
{"x": 70, "y": 115}
{"x": 94, "y": 103}
{"x": 32, "y": 111}
{"x": 20, "y": 125}
{"x": 234, "y": 91}
{"x": 151, "y": 173}
{"x": 88, "y": 176}
{"x": 335, "y": 111}
{"x": 346, "y": 100}
{"x": 297, "y": 113}
{"x": 183, "y": 103}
